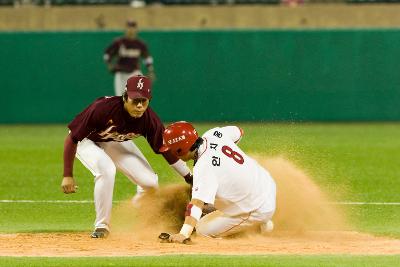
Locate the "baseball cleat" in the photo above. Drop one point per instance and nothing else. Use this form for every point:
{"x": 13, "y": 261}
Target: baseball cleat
{"x": 267, "y": 227}
{"x": 100, "y": 233}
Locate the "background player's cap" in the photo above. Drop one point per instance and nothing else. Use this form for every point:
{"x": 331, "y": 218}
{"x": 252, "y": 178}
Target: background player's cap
{"x": 138, "y": 87}
{"x": 131, "y": 23}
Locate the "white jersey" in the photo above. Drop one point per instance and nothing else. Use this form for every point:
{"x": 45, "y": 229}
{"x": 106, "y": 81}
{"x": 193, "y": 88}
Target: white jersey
{"x": 226, "y": 177}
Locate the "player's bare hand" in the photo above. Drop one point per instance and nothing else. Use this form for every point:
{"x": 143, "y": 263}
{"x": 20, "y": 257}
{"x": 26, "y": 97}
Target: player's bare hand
{"x": 111, "y": 68}
{"x": 178, "y": 238}
{"x": 68, "y": 185}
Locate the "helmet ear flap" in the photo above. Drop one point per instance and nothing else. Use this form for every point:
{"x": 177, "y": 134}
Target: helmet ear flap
{"x": 196, "y": 144}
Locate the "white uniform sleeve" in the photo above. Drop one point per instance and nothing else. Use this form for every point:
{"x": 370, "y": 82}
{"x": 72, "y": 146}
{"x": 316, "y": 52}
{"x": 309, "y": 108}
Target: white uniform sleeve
{"x": 205, "y": 187}
{"x": 234, "y": 133}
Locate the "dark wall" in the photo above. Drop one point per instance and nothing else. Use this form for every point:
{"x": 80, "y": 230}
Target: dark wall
{"x": 274, "y": 75}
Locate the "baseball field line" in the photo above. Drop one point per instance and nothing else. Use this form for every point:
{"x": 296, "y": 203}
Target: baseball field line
{"x": 91, "y": 202}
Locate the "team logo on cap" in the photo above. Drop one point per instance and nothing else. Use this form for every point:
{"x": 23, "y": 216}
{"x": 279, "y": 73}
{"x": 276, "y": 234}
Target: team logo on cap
{"x": 140, "y": 84}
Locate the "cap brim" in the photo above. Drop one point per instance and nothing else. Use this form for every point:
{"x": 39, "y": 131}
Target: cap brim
{"x": 163, "y": 149}
{"x": 133, "y": 95}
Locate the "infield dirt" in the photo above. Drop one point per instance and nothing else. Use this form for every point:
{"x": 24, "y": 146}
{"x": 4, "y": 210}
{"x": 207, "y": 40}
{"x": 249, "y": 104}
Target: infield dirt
{"x": 304, "y": 224}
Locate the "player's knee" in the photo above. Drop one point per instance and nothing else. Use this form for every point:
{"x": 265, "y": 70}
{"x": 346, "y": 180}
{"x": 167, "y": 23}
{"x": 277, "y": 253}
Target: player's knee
{"x": 107, "y": 171}
{"x": 110, "y": 170}
{"x": 203, "y": 228}
{"x": 150, "y": 181}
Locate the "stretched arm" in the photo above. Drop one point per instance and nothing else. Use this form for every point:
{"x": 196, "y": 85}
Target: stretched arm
{"x": 193, "y": 214}
{"x": 110, "y": 53}
{"x": 179, "y": 166}
{"x": 148, "y": 61}
{"x": 68, "y": 184}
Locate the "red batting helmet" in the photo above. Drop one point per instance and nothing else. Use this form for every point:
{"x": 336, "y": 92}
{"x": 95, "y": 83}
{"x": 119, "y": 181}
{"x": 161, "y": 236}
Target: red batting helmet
{"x": 178, "y": 138}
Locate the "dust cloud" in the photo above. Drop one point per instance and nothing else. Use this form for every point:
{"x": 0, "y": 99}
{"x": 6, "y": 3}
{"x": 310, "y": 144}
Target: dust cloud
{"x": 301, "y": 205}
{"x": 159, "y": 211}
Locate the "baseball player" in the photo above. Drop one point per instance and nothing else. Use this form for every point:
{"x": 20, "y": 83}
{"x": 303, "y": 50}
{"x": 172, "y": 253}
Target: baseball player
{"x": 100, "y": 137}
{"x": 123, "y": 56}
{"x": 242, "y": 191}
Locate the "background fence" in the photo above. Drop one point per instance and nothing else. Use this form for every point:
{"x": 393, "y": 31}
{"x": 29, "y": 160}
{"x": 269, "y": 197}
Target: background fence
{"x": 140, "y": 3}
{"x": 269, "y": 75}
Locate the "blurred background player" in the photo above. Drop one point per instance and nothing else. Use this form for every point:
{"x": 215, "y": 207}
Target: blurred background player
{"x": 100, "y": 137}
{"x": 123, "y": 57}
{"x": 242, "y": 191}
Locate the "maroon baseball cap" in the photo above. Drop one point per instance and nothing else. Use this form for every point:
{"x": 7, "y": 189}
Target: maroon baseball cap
{"x": 138, "y": 87}
{"x": 131, "y": 23}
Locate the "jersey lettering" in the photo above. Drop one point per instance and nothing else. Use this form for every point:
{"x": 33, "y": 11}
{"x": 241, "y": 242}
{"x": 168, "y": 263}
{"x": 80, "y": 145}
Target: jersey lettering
{"x": 128, "y": 52}
{"x": 218, "y": 134}
{"x": 110, "y": 133}
{"x": 213, "y": 146}
{"x": 216, "y": 161}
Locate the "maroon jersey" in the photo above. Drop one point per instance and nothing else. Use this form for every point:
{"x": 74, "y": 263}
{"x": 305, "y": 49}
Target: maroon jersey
{"x": 106, "y": 120}
{"x": 128, "y": 52}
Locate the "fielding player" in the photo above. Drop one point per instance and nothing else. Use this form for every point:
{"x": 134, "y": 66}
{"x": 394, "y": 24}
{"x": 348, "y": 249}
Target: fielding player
{"x": 126, "y": 52}
{"x": 100, "y": 136}
{"x": 242, "y": 191}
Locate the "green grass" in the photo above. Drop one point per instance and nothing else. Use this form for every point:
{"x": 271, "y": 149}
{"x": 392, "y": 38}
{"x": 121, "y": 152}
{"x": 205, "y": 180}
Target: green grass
{"x": 46, "y": 217}
{"x": 355, "y": 162}
{"x": 211, "y": 260}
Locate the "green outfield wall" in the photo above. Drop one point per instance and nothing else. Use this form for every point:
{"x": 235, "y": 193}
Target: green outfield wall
{"x": 252, "y": 75}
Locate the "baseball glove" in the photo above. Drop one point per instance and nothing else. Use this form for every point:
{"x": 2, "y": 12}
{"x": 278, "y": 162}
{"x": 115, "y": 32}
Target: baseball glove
{"x": 164, "y": 238}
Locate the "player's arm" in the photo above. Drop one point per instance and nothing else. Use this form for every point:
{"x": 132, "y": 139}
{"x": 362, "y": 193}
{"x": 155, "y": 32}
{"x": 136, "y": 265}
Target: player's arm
{"x": 82, "y": 126}
{"x": 148, "y": 61}
{"x": 192, "y": 216}
{"x": 68, "y": 183}
{"x": 110, "y": 53}
{"x": 206, "y": 187}
{"x": 179, "y": 166}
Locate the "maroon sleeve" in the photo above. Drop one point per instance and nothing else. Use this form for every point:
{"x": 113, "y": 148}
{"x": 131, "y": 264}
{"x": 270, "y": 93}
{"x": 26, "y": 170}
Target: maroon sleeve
{"x": 153, "y": 135}
{"x": 144, "y": 50}
{"x": 169, "y": 157}
{"x": 69, "y": 156}
{"x": 112, "y": 49}
{"x": 86, "y": 122}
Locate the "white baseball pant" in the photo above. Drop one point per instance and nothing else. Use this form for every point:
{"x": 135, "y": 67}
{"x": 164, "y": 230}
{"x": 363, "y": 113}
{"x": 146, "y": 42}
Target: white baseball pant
{"x": 120, "y": 80}
{"x": 103, "y": 159}
{"x": 218, "y": 224}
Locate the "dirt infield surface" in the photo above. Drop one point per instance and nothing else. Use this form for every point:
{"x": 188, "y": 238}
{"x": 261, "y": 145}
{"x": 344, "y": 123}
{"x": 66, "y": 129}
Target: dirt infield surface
{"x": 80, "y": 244}
{"x": 304, "y": 224}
